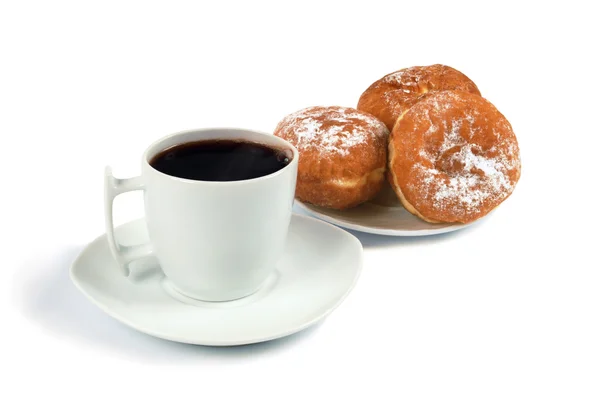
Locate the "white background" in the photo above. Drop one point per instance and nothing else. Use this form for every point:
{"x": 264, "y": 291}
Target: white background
{"x": 510, "y": 307}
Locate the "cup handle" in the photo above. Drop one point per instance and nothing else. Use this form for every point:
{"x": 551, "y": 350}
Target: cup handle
{"x": 112, "y": 188}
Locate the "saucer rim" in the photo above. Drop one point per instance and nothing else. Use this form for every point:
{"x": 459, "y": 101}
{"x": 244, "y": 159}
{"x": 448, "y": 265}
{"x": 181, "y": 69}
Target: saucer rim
{"x": 224, "y": 343}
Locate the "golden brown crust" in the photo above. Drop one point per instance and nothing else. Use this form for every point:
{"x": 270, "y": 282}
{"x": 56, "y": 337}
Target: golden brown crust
{"x": 342, "y": 154}
{"x": 453, "y": 157}
{"x": 392, "y": 95}
{"x": 393, "y": 181}
{"x": 340, "y": 196}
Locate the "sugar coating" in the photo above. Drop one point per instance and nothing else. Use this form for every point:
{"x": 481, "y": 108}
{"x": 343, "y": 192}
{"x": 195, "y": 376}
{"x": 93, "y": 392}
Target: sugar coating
{"x": 458, "y": 175}
{"x": 331, "y": 130}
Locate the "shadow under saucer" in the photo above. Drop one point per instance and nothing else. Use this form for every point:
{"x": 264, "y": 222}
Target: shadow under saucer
{"x": 48, "y": 297}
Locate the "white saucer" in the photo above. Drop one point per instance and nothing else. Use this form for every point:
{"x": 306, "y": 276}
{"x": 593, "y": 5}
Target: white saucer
{"x": 384, "y": 215}
{"x": 320, "y": 267}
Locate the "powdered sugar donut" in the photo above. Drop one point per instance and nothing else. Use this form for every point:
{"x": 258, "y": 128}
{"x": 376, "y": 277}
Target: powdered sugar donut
{"x": 342, "y": 154}
{"x": 453, "y": 157}
{"x": 392, "y": 95}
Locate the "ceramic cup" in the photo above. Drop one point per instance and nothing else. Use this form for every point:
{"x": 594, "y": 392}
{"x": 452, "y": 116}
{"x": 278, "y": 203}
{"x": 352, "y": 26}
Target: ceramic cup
{"x": 215, "y": 241}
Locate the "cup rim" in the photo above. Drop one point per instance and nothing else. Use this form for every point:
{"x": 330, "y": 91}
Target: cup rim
{"x": 283, "y": 142}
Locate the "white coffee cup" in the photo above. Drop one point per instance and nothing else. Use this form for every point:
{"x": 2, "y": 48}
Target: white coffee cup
{"x": 215, "y": 241}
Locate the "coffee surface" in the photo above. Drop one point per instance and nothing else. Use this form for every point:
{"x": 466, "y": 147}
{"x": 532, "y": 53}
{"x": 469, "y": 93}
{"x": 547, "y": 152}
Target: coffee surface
{"x": 221, "y": 160}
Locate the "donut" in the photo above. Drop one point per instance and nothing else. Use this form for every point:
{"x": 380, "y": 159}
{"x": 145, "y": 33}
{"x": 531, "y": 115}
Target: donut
{"x": 392, "y": 95}
{"x": 343, "y": 155}
{"x": 453, "y": 157}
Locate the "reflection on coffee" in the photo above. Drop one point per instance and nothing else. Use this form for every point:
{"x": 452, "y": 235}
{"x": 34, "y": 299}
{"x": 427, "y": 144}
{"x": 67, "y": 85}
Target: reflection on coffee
{"x": 221, "y": 160}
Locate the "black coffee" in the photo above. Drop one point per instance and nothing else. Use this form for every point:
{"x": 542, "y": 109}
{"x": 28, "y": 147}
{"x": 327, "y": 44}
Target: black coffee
{"x": 221, "y": 160}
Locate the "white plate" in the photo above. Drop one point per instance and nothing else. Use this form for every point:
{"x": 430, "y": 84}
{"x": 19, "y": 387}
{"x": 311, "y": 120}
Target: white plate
{"x": 384, "y": 215}
{"x": 318, "y": 270}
